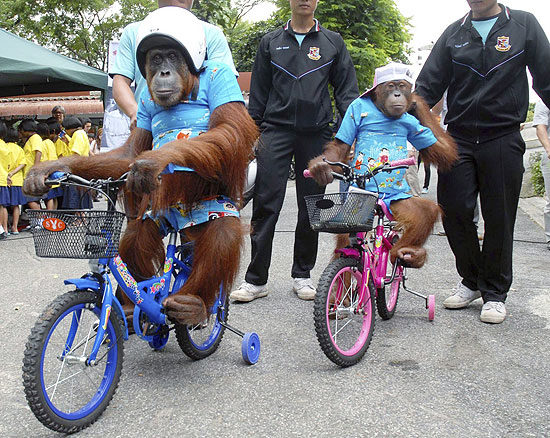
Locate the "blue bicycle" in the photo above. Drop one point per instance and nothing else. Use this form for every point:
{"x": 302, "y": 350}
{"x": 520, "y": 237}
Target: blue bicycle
{"x": 73, "y": 356}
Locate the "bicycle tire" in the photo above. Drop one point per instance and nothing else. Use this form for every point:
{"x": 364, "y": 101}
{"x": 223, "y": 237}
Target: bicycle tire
{"x": 387, "y": 303}
{"x": 200, "y": 341}
{"x": 348, "y": 351}
{"x": 72, "y": 311}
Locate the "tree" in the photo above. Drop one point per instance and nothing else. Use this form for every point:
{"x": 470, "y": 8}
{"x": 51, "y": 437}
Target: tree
{"x": 79, "y": 30}
{"x": 375, "y": 31}
{"x": 245, "y": 38}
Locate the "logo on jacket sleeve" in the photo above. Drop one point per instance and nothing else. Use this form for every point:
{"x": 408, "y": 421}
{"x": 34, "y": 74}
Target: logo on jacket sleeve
{"x": 503, "y": 44}
{"x": 314, "y": 54}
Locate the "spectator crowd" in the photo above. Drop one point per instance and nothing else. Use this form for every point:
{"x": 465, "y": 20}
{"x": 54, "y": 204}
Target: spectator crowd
{"x": 27, "y": 142}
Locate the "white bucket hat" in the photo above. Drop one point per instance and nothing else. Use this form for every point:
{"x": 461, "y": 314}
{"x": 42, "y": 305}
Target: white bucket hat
{"x": 172, "y": 26}
{"x": 393, "y": 71}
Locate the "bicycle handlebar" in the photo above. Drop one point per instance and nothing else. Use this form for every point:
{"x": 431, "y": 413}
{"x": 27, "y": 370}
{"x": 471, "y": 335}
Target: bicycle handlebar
{"x": 388, "y": 167}
{"x": 69, "y": 178}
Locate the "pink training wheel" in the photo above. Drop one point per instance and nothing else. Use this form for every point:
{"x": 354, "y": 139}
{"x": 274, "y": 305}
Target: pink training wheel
{"x": 431, "y": 307}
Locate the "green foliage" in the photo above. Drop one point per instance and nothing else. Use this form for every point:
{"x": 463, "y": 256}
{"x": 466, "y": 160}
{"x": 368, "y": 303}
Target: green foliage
{"x": 536, "y": 173}
{"x": 245, "y": 38}
{"x": 530, "y": 112}
{"x": 375, "y": 32}
{"x": 79, "y": 30}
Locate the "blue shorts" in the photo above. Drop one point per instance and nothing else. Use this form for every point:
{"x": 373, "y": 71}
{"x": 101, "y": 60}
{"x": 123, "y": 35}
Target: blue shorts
{"x": 16, "y": 196}
{"x": 4, "y": 196}
{"x": 178, "y": 218}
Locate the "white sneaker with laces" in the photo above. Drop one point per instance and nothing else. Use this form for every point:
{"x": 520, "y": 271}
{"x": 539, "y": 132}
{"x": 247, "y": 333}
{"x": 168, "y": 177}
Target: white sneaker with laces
{"x": 425, "y": 190}
{"x": 493, "y": 312}
{"x": 304, "y": 288}
{"x": 461, "y": 298}
{"x": 248, "y": 292}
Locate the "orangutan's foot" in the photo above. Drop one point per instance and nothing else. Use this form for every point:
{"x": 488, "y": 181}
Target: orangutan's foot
{"x": 185, "y": 309}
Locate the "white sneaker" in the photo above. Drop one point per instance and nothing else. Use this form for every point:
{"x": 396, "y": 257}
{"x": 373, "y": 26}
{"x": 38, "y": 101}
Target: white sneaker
{"x": 425, "y": 190}
{"x": 493, "y": 312}
{"x": 461, "y": 297}
{"x": 248, "y": 292}
{"x": 304, "y": 288}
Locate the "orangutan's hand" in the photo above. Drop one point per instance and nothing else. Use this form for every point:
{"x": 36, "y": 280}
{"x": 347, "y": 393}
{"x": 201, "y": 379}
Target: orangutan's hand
{"x": 143, "y": 177}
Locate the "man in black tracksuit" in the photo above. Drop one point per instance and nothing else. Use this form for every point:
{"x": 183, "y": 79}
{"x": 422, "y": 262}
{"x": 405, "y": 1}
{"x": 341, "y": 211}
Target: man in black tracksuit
{"x": 481, "y": 60}
{"x": 290, "y": 102}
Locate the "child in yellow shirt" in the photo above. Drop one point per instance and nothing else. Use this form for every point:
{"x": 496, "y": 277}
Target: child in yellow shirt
{"x": 4, "y": 192}
{"x": 33, "y": 152}
{"x": 50, "y": 154}
{"x": 74, "y": 198}
{"x": 15, "y": 177}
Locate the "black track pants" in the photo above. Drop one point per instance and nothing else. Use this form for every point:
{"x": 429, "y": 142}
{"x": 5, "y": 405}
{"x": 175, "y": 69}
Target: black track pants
{"x": 276, "y": 148}
{"x": 494, "y": 170}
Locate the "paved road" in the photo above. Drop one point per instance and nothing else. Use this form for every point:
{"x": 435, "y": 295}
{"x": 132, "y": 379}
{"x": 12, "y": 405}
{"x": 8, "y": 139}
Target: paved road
{"x": 454, "y": 377}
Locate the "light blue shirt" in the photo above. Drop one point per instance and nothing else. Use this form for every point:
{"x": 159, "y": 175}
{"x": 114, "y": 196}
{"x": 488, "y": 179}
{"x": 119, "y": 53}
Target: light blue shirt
{"x": 126, "y": 65}
{"x": 380, "y": 139}
{"x": 483, "y": 27}
{"x": 300, "y": 38}
{"x": 218, "y": 85}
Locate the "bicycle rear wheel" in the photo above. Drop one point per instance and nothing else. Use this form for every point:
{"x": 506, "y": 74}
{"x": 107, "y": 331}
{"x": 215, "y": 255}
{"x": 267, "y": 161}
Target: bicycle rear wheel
{"x": 344, "y": 329}
{"x": 64, "y": 392}
{"x": 201, "y": 340}
{"x": 387, "y": 296}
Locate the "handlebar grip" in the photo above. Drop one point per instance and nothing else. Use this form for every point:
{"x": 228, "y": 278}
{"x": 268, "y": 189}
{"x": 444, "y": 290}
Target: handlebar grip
{"x": 307, "y": 173}
{"x": 55, "y": 178}
{"x": 411, "y": 161}
{"x": 57, "y": 175}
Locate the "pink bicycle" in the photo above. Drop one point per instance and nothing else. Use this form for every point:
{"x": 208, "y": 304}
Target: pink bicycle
{"x": 363, "y": 273}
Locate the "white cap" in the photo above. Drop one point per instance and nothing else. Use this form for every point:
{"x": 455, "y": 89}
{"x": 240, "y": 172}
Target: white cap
{"x": 393, "y": 71}
{"x": 172, "y": 25}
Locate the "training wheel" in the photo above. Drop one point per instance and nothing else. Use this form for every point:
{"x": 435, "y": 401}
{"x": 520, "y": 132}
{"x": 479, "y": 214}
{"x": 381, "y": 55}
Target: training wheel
{"x": 431, "y": 307}
{"x": 251, "y": 348}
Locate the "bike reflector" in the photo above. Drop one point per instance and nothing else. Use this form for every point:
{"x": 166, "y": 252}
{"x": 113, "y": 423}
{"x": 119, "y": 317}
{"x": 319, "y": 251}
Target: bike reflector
{"x": 54, "y": 224}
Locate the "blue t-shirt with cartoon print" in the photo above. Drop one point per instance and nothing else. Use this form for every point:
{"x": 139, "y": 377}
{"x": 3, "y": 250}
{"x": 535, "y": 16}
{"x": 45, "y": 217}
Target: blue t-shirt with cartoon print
{"x": 217, "y": 86}
{"x": 381, "y": 139}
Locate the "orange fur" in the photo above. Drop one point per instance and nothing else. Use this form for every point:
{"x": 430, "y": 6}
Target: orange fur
{"x": 416, "y": 217}
{"x": 443, "y": 153}
{"x": 219, "y": 157}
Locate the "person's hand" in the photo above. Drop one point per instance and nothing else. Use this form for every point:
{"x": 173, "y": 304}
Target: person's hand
{"x": 133, "y": 121}
{"x": 321, "y": 171}
{"x": 8, "y": 179}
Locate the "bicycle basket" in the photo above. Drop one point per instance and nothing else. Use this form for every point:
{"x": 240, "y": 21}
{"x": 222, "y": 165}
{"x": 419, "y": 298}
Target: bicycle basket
{"x": 76, "y": 234}
{"x": 341, "y": 212}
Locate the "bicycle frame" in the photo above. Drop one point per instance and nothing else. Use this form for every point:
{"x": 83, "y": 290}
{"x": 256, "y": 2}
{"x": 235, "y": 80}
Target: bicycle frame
{"x": 147, "y": 295}
{"x": 374, "y": 260}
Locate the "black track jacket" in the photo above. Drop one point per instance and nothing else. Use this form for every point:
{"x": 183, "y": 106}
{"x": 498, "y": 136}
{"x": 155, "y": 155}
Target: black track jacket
{"x": 488, "y": 93}
{"x": 289, "y": 84}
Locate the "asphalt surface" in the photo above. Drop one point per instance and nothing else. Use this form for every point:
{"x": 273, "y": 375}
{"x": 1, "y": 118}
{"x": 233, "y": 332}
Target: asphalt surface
{"x": 453, "y": 377}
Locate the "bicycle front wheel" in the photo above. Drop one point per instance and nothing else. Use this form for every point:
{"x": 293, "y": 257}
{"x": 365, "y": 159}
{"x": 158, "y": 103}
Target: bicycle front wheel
{"x": 344, "y": 326}
{"x": 201, "y": 340}
{"x": 64, "y": 392}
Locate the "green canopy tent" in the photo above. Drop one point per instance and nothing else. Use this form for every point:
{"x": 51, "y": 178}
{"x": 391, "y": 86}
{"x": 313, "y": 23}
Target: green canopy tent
{"x": 27, "y": 68}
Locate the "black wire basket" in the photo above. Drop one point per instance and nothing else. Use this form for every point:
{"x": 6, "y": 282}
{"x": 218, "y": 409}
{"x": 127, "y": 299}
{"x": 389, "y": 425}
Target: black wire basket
{"x": 76, "y": 234}
{"x": 348, "y": 212}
